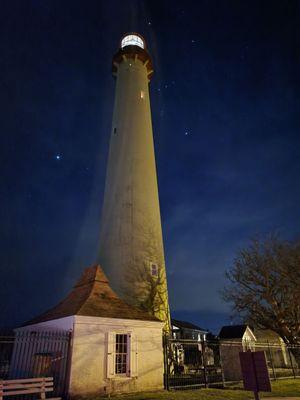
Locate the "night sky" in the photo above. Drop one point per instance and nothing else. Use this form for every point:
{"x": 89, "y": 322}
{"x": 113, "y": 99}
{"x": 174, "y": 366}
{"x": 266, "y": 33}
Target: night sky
{"x": 225, "y": 109}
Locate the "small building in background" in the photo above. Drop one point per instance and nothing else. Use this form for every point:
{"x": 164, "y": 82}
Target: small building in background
{"x": 233, "y": 340}
{"x": 189, "y": 346}
{"x": 277, "y": 352}
{"x": 187, "y": 330}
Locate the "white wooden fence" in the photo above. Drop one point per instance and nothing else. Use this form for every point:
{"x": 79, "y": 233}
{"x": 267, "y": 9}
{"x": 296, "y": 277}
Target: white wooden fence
{"x": 38, "y": 354}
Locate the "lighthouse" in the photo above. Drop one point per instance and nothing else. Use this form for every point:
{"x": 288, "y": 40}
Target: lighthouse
{"x": 131, "y": 242}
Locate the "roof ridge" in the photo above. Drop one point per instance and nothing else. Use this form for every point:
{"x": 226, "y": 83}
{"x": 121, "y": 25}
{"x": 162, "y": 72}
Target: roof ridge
{"x": 88, "y": 294}
{"x": 93, "y": 296}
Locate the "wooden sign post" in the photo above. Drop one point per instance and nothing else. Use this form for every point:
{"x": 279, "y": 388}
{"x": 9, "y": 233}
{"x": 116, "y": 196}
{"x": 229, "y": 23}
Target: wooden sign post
{"x": 255, "y": 372}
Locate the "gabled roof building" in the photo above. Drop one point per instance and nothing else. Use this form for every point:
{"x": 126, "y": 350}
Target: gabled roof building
{"x": 233, "y": 340}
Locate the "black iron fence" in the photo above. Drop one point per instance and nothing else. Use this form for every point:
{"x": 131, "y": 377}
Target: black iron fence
{"x": 283, "y": 361}
{"x": 192, "y": 364}
{"x": 30, "y": 354}
{"x": 195, "y": 364}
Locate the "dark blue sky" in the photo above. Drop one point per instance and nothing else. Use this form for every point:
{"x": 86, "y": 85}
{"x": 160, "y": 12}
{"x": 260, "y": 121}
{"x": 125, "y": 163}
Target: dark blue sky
{"x": 225, "y": 107}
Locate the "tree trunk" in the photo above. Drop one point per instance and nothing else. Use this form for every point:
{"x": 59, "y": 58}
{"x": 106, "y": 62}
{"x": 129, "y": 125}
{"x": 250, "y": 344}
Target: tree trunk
{"x": 295, "y": 351}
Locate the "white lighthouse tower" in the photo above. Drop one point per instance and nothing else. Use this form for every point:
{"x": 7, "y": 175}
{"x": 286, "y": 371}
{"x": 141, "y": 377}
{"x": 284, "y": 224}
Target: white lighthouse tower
{"x": 131, "y": 243}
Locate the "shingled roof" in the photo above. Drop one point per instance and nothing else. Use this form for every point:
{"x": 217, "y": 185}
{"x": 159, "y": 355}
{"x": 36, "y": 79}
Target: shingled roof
{"x": 186, "y": 325}
{"x": 232, "y": 331}
{"x": 92, "y": 296}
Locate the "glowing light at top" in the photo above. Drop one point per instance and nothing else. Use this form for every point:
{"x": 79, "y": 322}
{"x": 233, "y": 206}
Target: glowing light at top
{"x": 132, "y": 40}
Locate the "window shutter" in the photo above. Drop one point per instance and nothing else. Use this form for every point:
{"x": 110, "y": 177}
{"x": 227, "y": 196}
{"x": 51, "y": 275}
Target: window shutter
{"x": 111, "y": 345}
{"x": 133, "y": 355}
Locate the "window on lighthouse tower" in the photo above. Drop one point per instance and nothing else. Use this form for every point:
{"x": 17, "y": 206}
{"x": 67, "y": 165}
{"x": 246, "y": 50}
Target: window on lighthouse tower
{"x": 154, "y": 269}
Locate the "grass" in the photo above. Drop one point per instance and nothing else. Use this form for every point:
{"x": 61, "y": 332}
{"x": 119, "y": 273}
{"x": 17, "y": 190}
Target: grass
{"x": 281, "y": 388}
{"x": 285, "y": 388}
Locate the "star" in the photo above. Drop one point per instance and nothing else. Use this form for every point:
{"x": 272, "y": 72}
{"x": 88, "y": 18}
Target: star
{"x": 149, "y": 23}
{"x": 58, "y": 157}
{"x": 186, "y": 133}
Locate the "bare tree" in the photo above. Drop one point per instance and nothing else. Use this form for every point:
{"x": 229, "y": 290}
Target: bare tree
{"x": 264, "y": 288}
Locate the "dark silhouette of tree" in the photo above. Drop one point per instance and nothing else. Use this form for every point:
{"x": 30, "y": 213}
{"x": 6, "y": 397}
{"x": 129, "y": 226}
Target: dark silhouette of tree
{"x": 264, "y": 288}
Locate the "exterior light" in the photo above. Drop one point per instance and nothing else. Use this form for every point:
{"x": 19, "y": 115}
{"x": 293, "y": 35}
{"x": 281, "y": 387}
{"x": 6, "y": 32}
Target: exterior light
{"x": 132, "y": 40}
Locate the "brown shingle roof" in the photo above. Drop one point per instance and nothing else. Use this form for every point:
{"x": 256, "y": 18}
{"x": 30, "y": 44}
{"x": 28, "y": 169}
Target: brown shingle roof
{"x": 92, "y": 296}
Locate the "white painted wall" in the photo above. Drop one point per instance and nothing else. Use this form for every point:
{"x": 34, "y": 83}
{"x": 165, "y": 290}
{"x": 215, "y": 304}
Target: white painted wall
{"x": 89, "y": 353}
{"x": 131, "y": 234}
{"x": 89, "y": 356}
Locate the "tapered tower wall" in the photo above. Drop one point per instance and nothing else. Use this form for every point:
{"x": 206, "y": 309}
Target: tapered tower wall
{"x": 131, "y": 243}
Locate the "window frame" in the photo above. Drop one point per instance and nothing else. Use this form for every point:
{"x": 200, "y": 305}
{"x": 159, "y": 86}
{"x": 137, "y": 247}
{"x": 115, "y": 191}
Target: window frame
{"x": 131, "y": 358}
{"x": 151, "y": 265}
{"x": 122, "y": 354}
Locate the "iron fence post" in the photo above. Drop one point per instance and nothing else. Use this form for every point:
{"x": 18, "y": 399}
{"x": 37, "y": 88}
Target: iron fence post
{"x": 271, "y": 359}
{"x": 222, "y": 370}
{"x": 204, "y": 362}
{"x": 291, "y": 361}
{"x": 166, "y": 362}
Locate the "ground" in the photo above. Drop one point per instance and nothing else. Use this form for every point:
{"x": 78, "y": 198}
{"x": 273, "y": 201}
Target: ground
{"x": 283, "y": 388}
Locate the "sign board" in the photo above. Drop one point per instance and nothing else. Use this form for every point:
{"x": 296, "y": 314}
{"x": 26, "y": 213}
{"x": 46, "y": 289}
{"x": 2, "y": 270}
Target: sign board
{"x": 255, "y": 371}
